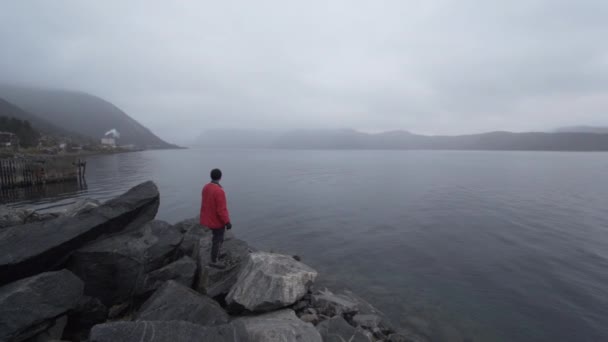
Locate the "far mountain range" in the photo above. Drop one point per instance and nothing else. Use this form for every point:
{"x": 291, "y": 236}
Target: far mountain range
{"x": 580, "y": 138}
{"x": 84, "y": 117}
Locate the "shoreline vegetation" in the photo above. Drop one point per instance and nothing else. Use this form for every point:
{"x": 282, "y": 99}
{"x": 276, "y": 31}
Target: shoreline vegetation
{"x": 111, "y": 272}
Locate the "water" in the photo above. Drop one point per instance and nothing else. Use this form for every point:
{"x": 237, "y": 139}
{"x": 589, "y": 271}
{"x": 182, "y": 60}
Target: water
{"x": 491, "y": 246}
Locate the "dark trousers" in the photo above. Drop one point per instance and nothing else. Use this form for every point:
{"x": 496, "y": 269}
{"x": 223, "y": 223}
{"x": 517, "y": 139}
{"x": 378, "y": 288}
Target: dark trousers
{"x": 218, "y": 239}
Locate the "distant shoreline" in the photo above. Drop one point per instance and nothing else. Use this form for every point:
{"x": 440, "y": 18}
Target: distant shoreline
{"x": 403, "y": 140}
{"x": 29, "y": 154}
{"x": 382, "y": 149}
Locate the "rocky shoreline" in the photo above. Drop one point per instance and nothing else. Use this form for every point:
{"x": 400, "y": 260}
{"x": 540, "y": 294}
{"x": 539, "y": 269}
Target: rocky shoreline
{"x": 110, "y": 272}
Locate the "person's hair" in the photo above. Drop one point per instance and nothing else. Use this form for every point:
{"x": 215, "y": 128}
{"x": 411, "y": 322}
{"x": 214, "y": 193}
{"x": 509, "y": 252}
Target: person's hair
{"x": 216, "y": 174}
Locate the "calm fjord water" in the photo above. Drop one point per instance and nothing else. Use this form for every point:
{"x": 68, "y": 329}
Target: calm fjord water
{"x": 495, "y": 246}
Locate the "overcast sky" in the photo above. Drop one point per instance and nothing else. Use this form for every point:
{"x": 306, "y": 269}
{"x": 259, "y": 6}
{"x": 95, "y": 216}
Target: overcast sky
{"x": 428, "y": 66}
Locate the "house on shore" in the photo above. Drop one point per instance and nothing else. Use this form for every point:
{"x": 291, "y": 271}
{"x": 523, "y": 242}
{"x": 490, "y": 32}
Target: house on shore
{"x": 108, "y": 141}
{"x": 9, "y": 140}
{"x": 110, "y": 138}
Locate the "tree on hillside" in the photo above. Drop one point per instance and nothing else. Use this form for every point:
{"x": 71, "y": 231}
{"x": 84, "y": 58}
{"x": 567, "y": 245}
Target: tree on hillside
{"x": 28, "y": 136}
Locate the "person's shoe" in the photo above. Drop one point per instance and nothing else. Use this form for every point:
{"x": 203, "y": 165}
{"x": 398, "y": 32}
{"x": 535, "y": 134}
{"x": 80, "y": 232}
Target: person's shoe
{"x": 218, "y": 264}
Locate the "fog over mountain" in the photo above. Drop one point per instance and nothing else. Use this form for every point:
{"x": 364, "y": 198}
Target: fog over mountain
{"x": 583, "y": 129}
{"x": 402, "y": 140}
{"x": 432, "y": 67}
{"x": 70, "y": 113}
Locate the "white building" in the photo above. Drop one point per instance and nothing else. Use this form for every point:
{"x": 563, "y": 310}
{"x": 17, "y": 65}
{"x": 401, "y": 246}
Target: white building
{"x": 108, "y": 141}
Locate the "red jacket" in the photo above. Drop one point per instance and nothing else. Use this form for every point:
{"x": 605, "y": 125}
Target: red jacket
{"x": 214, "y": 212}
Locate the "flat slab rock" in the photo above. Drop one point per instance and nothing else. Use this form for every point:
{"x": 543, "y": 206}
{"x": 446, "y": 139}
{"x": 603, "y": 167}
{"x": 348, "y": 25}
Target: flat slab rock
{"x": 175, "y": 302}
{"x": 174, "y": 331}
{"x": 281, "y": 325}
{"x": 270, "y": 281}
{"x": 38, "y": 247}
{"x": 30, "y": 306}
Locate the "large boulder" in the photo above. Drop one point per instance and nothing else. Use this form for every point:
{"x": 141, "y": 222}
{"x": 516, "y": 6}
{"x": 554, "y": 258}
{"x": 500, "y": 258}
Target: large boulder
{"x": 212, "y": 281}
{"x": 38, "y": 247}
{"x": 270, "y": 281}
{"x": 182, "y": 271}
{"x": 175, "y": 302}
{"x": 281, "y": 325}
{"x": 336, "y": 329}
{"x": 157, "y": 331}
{"x": 31, "y": 306}
{"x": 114, "y": 269}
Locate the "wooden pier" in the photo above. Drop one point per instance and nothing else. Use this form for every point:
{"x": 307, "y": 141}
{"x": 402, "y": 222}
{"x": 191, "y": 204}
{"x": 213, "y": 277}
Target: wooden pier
{"x": 30, "y": 171}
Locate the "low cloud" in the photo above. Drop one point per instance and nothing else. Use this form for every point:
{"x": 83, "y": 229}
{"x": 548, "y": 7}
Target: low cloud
{"x": 442, "y": 67}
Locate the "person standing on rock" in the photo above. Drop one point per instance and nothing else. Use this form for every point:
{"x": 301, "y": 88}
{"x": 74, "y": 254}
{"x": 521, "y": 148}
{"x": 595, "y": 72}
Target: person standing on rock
{"x": 214, "y": 214}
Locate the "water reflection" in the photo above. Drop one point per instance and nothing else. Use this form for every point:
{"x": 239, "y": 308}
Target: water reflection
{"x": 42, "y": 191}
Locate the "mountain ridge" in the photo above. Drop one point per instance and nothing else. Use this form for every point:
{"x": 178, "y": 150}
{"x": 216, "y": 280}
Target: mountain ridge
{"x": 79, "y": 113}
{"x": 583, "y": 129}
{"x": 404, "y": 140}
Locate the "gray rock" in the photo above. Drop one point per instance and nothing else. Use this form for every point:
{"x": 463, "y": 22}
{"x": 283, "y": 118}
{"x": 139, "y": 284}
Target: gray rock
{"x": 311, "y": 311}
{"x": 119, "y": 310}
{"x": 310, "y": 318}
{"x": 18, "y": 216}
{"x": 30, "y": 306}
{"x": 88, "y": 312}
{"x": 54, "y": 332}
{"x": 13, "y": 216}
{"x": 301, "y": 305}
{"x": 330, "y": 304}
{"x": 367, "y": 321}
{"x": 213, "y": 281}
{"x": 80, "y": 207}
{"x": 193, "y": 232}
{"x": 182, "y": 271}
{"x": 270, "y": 281}
{"x": 10, "y": 217}
{"x": 365, "y": 308}
{"x": 336, "y": 329}
{"x": 175, "y": 302}
{"x": 174, "y": 331}
{"x": 114, "y": 269}
{"x": 38, "y": 247}
{"x": 281, "y": 325}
